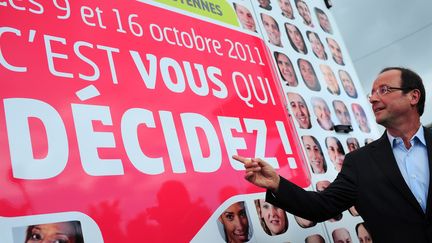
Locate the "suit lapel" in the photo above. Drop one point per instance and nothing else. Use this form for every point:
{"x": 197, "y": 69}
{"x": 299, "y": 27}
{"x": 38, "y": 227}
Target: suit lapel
{"x": 383, "y": 154}
{"x": 428, "y": 138}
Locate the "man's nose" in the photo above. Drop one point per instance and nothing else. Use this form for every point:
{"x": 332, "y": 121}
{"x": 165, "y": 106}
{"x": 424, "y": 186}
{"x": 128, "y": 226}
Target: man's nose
{"x": 372, "y": 97}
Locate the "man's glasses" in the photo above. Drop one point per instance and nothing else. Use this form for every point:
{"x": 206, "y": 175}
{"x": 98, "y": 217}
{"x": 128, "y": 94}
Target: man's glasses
{"x": 384, "y": 89}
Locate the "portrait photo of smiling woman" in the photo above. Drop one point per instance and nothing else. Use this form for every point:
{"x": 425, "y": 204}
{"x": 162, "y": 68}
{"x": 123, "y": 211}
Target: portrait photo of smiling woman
{"x": 314, "y": 154}
{"x": 286, "y": 69}
{"x": 273, "y": 220}
{"x": 235, "y": 223}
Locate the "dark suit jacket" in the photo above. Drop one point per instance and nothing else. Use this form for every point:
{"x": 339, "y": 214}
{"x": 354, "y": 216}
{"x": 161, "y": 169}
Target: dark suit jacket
{"x": 371, "y": 181}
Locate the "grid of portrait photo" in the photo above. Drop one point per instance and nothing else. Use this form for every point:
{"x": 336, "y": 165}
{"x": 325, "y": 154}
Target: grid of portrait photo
{"x": 324, "y": 97}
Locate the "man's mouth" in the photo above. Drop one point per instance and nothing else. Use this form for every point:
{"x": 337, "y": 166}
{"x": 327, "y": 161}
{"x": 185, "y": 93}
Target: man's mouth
{"x": 378, "y": 109}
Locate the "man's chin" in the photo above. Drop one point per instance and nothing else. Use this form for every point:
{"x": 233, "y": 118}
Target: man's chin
{"x": 381, "y": 121}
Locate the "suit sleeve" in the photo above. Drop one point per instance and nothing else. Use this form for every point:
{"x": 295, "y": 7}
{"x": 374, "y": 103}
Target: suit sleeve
{"x": 318, "y": 206}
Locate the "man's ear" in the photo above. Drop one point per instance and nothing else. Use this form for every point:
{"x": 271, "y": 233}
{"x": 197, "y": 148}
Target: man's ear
{"x": 415, "y": 96}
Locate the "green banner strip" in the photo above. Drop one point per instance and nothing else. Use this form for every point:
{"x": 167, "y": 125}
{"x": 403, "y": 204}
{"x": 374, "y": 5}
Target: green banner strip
{"x": 218, "y": 10}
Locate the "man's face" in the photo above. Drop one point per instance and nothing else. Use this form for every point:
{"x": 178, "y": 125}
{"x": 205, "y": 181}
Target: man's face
{"x": 314, "y": 239}
{"x": 304, "y": 12}
{"x": 300, "y": 110}
{"x": 324, "y": 22}
{"x": 272, "y": 29}
{"x": 330, "y": 79}
{"x": 342, "y": 112}
{"x": 286, "y": 8}
{"x": 390, "y": 107}
{"x": 322, "y": 113}
{"x": 335, "y": 50}
{"x": 341, "y": 236}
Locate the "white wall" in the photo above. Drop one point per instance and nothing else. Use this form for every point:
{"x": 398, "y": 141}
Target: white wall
{"x": 388, "y": 33}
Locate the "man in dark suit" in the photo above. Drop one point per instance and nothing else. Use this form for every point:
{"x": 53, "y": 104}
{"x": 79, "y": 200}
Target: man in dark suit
{"x": 387, "y": 180}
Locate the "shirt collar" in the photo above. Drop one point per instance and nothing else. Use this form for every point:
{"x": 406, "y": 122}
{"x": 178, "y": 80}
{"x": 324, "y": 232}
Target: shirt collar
{"x": 419, "y": 134}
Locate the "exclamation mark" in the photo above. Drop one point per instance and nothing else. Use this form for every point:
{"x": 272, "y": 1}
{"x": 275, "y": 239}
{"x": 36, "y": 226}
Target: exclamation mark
{"x": 285, "y": 143}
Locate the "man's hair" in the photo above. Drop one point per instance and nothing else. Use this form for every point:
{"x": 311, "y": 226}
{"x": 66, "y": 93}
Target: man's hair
{"x": 321, "y": 239}
{"x": 411, "y": 80}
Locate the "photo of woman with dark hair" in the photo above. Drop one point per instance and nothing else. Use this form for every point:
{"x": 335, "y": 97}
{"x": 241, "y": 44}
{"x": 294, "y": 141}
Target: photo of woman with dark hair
{"x": 348, "y": 84}
{"x": 317, "y": 45}
{"x": 308, "y": 74}
{"x": 62, "y": 232}
{"x": 286, "y": 69}
{"x": 235, "y": 223}
{"x": 314, "y": 154}
{"x": 295, "y": 38}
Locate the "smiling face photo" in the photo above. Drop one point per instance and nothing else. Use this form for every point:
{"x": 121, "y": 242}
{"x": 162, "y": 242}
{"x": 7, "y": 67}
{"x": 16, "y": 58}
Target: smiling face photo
{"x": 314, "y": 154}
{"x": 273, "y": 219}
{"x": 245, "y": 17}
{"x": 308, "y": 74}
{"x": 347, "y": 84}
{"x": 330, "y": 78}
{"x": 286, "y": 8}
{"x": 322, "y": 112}
{"x": 286, "y": 69}
{"x": 235, "y": 223}
{"x": 304, "y": 12}
{"x": 360, "y": 116}
{"x": 295, "y": 38}
{"x": 341, "y": 112}
{"x": 323, "y": 20}
{"x": 300, "y": 110}
{"x": 317, "y": 45}
{"x": 335, "y": 51}
{"x": 272, "y": 29}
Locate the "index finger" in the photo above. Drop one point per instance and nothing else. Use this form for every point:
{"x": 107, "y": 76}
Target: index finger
{"x": 241, "y": 159}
